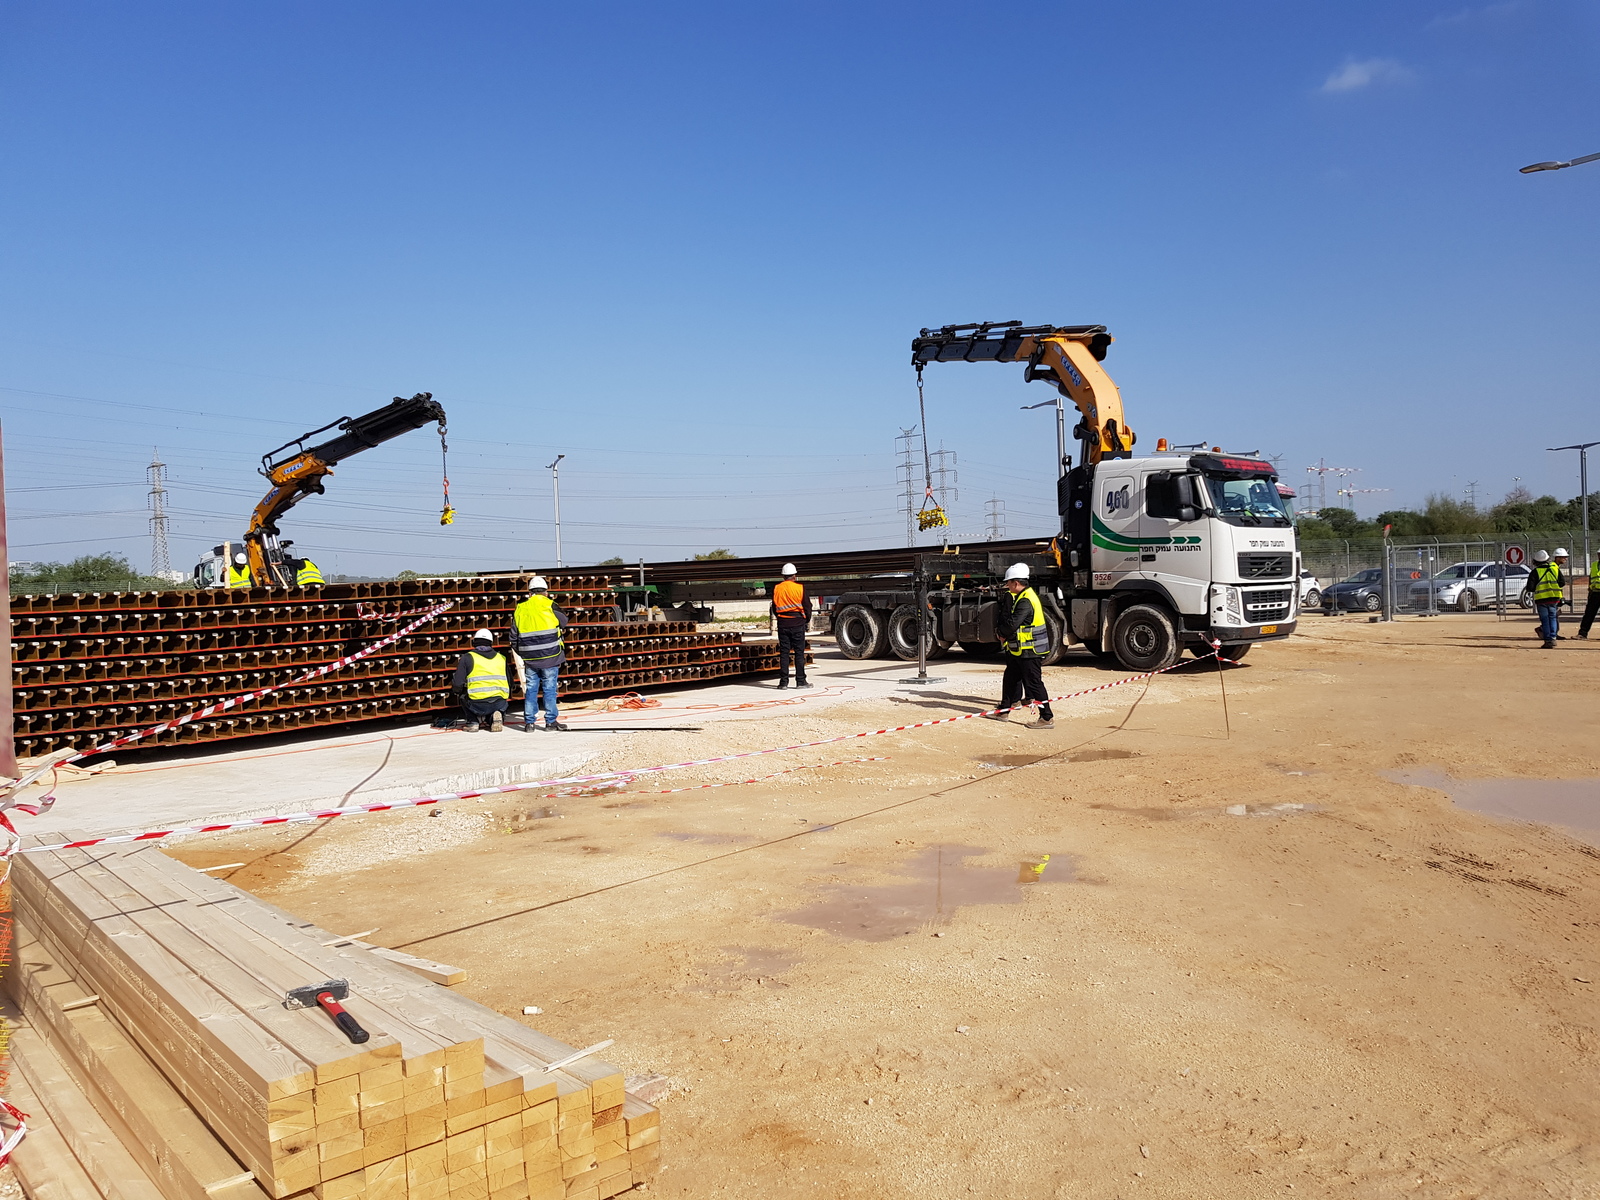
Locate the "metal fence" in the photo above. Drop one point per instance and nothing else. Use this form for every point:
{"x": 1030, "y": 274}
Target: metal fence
{"x": 1413, "y": 565}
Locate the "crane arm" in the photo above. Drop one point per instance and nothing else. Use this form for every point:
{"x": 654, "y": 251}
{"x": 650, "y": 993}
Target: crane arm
{"x": 300, "y": 473}
{"x": 1067, "y": 356}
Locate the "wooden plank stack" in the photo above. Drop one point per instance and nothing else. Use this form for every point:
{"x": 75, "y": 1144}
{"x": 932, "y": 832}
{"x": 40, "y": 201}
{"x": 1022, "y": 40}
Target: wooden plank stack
{"x": 88, "y": 667}
{"x": 158, "y": 994}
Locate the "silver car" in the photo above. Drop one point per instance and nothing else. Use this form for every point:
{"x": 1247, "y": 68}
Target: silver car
{"x": 1470, "y": 585}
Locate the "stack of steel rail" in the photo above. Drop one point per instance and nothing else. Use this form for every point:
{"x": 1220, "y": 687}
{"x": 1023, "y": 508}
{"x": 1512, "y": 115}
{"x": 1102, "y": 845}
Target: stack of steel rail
{"x": 89, "y": 667}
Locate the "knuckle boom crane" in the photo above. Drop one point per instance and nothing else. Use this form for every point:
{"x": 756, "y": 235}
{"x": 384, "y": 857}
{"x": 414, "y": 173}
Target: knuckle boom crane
{"x": 1154, "y": 555}
{"x": 300, "y": 473}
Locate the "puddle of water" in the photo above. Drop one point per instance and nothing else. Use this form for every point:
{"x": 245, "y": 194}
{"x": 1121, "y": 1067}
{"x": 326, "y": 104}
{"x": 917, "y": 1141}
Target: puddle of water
{"x": 1102, "y": 754}
{"x": 710, "y": 838}
{"x": 1572, "y": 804}
{"x": 936, "y": 882}
{"x": 752, "y": 964}
{"x": 1005, "y": 762}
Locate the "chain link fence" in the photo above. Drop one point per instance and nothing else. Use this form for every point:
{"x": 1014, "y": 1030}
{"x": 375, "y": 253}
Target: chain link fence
{"x": 1433, "y": 575}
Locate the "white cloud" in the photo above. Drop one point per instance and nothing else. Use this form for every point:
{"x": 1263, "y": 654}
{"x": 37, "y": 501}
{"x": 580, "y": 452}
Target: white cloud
{"x": 1487, "y": 12}
{"x": 1358, "y": 73}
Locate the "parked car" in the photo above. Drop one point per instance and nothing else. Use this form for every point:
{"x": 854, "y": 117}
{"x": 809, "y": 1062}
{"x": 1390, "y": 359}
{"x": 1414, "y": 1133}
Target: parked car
{"x": 1362, "y": 592}
{"x": 1470, "y": 585}
{"x": 1310, "y": 590}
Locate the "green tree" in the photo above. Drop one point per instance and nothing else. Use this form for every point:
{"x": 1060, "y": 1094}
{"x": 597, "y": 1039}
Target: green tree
{"x": 715, "y": 555}
{"x": 1444, "y": 515}
{"x": 1521, "y": 513}
{"x": 614, "y": 561}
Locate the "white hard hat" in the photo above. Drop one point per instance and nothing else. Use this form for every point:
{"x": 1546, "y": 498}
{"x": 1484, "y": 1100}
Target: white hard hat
{"x": 1540, "y": 556}
{"x": 538, "y": 584}
{"x": 790, "y": 569}
{"x": 1561, "y": 552}
{"x": 241, "y": 558}
{"x": 1016, "y": 571}
{"x": 483, "y": 635}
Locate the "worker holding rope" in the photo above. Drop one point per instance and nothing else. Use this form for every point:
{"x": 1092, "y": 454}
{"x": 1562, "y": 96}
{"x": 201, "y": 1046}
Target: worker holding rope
{"x": 1027, "y": 640}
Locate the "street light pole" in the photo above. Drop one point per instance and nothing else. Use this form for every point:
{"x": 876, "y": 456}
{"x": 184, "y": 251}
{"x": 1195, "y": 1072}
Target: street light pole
{"x": 1556, "y": 164}
{"x": 1583, "y": 483}
{"x": 555, "y": 485}
{"x": 1061, "y": 432}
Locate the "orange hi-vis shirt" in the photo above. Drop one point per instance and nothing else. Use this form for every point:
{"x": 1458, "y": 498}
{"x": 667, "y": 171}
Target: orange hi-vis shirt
{"x": 789, "y": 600}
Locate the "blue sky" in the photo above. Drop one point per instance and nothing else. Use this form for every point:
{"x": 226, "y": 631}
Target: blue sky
{"x": 687, "y": 246}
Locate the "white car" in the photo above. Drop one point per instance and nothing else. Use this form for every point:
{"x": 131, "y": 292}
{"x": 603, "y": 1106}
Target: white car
{"x": 1310, "y": 590}
{"x": 1466, "y": 586}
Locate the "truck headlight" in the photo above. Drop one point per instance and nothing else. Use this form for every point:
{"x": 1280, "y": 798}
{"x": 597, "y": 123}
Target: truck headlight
{"x": 1227, "y": 607}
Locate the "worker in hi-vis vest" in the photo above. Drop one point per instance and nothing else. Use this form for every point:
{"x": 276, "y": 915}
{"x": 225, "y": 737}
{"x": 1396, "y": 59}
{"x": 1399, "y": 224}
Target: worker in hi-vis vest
{"x": 536, "y": 637}
{"x": 306, "y": 573}
{"x": 239, "y": 570}
{"x": 483, "y": 683}
{"x": 1592, "y": 605}
{"x": 791, "y": 613}
{"x": 1021, "y": 627}
{"x": 1548, "y": 582}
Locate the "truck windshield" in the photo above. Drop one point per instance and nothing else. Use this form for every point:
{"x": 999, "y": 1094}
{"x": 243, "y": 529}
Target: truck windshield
{"x": 1252, "y": 500}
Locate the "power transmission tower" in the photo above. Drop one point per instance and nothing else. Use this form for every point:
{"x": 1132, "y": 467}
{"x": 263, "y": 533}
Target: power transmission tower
{"x": 156, "y": 472}
{"x": 995, "y": 513}
{"x": 909, "y": 447}
{"x": 945, "y": 478}
{"x": 1472, "y": 494}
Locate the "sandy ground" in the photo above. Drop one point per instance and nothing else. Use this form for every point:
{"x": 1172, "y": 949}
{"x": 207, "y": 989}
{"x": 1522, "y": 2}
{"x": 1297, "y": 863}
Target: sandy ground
{"x": 1253, "y": 964}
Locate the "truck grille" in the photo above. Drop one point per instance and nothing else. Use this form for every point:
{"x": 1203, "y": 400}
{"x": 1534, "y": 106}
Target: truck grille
{"x": 1265, "y": 566}
{"x": 1268, "y": 604}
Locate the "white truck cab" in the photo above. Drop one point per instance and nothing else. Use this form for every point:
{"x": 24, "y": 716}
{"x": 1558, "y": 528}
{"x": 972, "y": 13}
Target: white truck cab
{"x": 1206, "y": 537}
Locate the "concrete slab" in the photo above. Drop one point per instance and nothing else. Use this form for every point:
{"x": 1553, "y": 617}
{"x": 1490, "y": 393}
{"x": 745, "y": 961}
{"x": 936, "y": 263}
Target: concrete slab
{"x": 146, "y": 792}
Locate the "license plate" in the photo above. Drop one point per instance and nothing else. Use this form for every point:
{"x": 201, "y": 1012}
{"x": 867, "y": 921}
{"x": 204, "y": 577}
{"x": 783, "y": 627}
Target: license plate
{"x": 1269, "y": 629}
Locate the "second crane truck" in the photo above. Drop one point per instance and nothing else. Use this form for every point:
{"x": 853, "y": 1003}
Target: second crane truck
{"x": 1155, "y": 554}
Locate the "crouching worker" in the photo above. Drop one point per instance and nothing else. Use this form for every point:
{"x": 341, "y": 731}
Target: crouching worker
{"x": 483, "y": 682}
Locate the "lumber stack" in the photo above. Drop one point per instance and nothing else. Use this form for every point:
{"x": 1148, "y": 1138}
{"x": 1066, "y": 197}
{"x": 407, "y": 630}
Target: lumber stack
{"x": 88, "y": 667}
{"x": 158, "y": 994}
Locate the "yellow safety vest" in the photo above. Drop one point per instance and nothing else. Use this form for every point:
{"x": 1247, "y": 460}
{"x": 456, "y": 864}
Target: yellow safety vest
{"x": 1594, "y": 574}
{"x": 487, "y": 678}
{"x": 1545, "y": 583}
{"x": 238, "y": 577}
{"x": 308, "y": 574}
{"x": 1024, "y": 638}
{"x": 536, "y": 630}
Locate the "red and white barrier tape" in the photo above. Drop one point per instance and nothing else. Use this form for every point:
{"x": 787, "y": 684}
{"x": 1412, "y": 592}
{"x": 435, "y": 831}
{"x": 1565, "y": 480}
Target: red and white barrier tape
{"x": 128, "y": 739}
{"x": 16, "y": 1135}
{"x": 423, "y": 801}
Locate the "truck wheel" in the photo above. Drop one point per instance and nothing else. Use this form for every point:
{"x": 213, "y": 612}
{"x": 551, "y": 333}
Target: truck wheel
{"x": 1144, "y": 639}
{"x": 1235, "y": 652}
{"x": 983, "y": 649}
{"x": 1058, "y": 641}
{"x": 859, "y": 631}
{"x": 902, "y": 631}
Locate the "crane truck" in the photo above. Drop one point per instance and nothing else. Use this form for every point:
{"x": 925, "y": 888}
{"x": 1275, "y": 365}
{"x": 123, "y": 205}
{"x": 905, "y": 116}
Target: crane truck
{"x": 1179, "y": 550}
{"x": 299, "y": 474}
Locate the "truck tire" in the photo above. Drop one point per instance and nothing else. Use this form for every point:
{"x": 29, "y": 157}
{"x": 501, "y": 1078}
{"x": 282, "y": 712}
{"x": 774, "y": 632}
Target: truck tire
{"x": 860, "y": 632}
{"x": 902, "y": 633}
{"x": 983, "y": 649}
{"x": 1144, "y": 639}
{"x": 1058, "y": 640}
{"x": 1234, "y": 652}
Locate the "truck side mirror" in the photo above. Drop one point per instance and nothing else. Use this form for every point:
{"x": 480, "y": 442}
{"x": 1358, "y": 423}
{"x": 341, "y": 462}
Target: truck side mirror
{"x": 1188, "y": 512}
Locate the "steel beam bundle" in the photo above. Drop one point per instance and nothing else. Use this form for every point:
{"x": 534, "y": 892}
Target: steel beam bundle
{"x": 89, "y": 667}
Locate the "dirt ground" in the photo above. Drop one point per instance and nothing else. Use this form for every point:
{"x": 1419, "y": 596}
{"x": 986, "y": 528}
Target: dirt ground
{"x": 1252, "y": 964}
